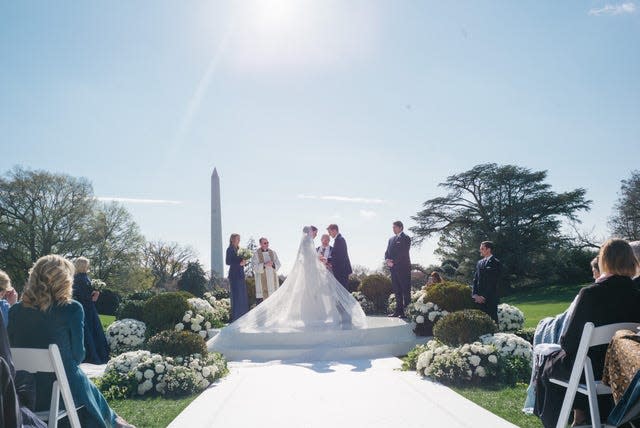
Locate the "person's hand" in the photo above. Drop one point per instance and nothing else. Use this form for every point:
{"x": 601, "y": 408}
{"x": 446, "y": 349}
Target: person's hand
{"x": 269, "y": 264}
{"x": 11, "y": 296}
{"x": 95, "y": 295}
{"x": 389, "y": 263}
{"x": 243, "y": 262}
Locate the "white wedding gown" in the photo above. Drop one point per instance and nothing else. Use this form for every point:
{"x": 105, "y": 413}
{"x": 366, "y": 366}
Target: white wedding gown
{"x": 310, "y": 299}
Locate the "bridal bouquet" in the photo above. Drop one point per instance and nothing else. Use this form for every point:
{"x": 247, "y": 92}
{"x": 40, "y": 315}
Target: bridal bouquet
{"x": 510, "y": 318}
{"x": 125, "y": 335}
{"x": 509, "y": 345}
{"x": 244, "y": 253}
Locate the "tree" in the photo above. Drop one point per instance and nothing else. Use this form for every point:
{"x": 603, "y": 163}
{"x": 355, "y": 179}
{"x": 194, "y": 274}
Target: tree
{"x": 193, "y": 279}
{"x": 508, "y": 204}
{"x": 625, "y": 222}
{"x": 115, "y": 242}
{"x": 41, "y": 213}
{"x": 253, "y": 247}
{"x": 167, "y": 260}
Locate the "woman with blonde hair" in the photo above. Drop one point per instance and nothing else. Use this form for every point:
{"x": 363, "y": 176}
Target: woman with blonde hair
{"x": 238, "y": 288}
{"x": 8, "y": 296}
{"x": 95, "y": 342}
{"x": 611, "y": 299}
{"x": 50, "y": 315}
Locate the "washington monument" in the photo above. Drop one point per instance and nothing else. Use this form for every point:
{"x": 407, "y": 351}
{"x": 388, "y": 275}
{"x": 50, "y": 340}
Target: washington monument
{"x": 217, "y": 267}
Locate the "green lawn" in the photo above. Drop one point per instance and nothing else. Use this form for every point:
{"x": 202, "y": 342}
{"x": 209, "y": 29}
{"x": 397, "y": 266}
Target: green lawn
{"x": 504, "y": 402}
{"x": 106, "y": 320}
{"x": 543, "y": 302}
{"x": 151, "y": 412}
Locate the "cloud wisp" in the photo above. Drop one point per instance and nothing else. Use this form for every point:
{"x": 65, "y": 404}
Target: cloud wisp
{"x": 138, "y": 201}
{"x": 613, "y": 9}
{"x": 343, "y": 199}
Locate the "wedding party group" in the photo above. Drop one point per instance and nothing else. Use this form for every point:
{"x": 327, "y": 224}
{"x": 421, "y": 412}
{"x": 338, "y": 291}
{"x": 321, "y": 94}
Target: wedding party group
{"x": 332, "y": 254}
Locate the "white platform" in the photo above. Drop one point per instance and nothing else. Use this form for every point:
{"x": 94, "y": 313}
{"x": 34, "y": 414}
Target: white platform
{"x": 384, "y": 337}
{"x": 353, "y": 394}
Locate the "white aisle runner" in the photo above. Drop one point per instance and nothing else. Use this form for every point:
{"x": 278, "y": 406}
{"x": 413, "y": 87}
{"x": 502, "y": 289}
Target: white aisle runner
{"x": 353, "y": 394}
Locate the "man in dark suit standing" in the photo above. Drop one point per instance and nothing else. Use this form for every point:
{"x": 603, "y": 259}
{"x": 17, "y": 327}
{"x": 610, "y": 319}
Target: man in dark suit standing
{"x": 398, "y": 261}
{"x": 340, "y": 263}
{"x": 485, "y": 281}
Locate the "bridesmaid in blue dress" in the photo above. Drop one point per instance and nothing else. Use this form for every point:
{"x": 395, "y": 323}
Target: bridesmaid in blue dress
{"x": 239, "y": 296}
{"x": 47, "y": 314}
{"x": 95, "y": 342}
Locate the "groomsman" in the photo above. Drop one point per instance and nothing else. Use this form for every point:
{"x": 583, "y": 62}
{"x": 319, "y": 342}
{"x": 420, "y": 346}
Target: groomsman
{"x": 399, "y": 263}
{"x": 324, "y": 250}
{"x": 265, "y": 264}
{"x": 340, "y": 263}
{"x": 485, "y": 281}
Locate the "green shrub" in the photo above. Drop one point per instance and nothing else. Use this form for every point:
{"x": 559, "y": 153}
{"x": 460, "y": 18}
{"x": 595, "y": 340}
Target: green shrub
{"x": 410, "y": 360}
{"x": 514, "y": 369}
{"x": 107, "y": 303}
{"x": 117, "y": 386}
{"x": 251, "y": 291}
{"x": 142, "y": 295}
{"x": 130, "y": 309}
{"x": 464, "y": 326}
{"x": 220, "y": 293}
{"x": 164, "y": 311}
{"x": 526, "y": 334}
{"x": 174, "y": 343}
{"x": 450, "y": 296}
{"x": 376, "y": 288}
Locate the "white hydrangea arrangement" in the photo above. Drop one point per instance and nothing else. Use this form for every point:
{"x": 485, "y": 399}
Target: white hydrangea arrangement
{"x": 154, "y": 373}
{"x": 469, "y": 362}
{"x": 198, "y": 318}
{"x": 425, "y": 314}
{"x": 510, "y": 318}
{"x": 367, "y": 305}
{"x": 125, "y": 335}
{"x": 392, "y": 304}
{"x": 509, "y": 345}
{"x": 221, "y": 307}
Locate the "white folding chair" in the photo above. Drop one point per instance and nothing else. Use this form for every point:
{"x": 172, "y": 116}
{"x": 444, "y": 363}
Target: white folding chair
{"x": 591, "y": 336}
{"x": 35, "y": 360}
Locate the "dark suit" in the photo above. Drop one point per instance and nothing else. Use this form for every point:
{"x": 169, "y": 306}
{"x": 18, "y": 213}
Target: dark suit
{"x": 636, "y": 282}
{"x": 612, "y": 301}
{"x": 340, "y": 263}
{"x": 398, "y": 251}
{"x": 238, "y": 288}
{"x": 485, "y": 284}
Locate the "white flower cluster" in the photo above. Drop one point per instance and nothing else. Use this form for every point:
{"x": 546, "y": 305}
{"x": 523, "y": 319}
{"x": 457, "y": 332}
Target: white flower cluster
{"x": 509, "y": 345}
{"x": 204, "y": 368}
{"x": 98, "y": 284}
{"x": 244, "y": 253}
{"x": 152, "y": 371}
{"x": 221, "y": 307}
{"x": 392, "y": 304}
{"x": 127, "y": 361}
{"x": 367, "y": 305}
{"x": 421, "y": 311}
{"x": 510, "y": 318}
{"x": 464, "y": 363}
{"x": 198, "y": 318}
{"x": 125, "y": 335}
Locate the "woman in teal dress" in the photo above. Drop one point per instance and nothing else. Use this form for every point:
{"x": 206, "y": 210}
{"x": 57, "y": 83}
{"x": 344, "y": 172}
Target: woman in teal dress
{"x": 47, "y": 314}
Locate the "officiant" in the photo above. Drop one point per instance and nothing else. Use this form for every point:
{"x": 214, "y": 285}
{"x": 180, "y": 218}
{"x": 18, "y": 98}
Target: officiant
{"x": 265, "y": 264}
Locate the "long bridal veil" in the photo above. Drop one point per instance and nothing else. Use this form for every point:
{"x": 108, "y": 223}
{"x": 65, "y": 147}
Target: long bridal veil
{"x": 309, "y": 299}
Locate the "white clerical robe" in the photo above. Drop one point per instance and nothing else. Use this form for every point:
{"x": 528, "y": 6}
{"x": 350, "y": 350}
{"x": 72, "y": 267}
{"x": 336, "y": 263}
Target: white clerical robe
{"x": 266, "y": 277}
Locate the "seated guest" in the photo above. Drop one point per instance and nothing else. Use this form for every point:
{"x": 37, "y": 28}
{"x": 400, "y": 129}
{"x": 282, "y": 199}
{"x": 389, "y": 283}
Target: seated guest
{"x": 635, "y": 246}
{"x": 8, "y": 296}
{"x": 49, "y": 315}
{"x": 549, "y": 330}
{"x": 95, "y": 343}
{"x": 611, "y": 299}
{"x": 17, "y": 390}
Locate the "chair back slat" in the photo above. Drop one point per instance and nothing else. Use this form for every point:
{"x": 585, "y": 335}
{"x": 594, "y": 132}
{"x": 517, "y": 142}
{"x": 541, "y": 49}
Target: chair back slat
{"x": 32, "y": 360}
{"x": 603, "y": 335}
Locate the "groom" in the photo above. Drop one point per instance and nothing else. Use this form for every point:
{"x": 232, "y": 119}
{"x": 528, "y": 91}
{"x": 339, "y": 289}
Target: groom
{"x": 399, "y": 263}
{"x": 340, "y": 264}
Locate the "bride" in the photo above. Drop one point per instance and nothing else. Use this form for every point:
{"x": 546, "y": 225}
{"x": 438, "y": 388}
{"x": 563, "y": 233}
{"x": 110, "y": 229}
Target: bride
{"x": 310, "y": 299}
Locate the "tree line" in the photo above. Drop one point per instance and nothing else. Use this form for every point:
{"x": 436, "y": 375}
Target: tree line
{"x": 43, "y": 212}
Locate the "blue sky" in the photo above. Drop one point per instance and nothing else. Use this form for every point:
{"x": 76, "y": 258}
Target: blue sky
{"x": 375, "y": 102}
